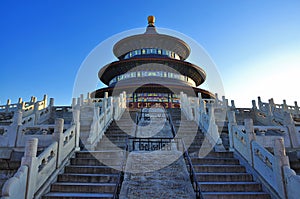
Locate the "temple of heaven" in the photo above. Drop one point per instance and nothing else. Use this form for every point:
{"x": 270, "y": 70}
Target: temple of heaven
{"x": 152, "y": 70}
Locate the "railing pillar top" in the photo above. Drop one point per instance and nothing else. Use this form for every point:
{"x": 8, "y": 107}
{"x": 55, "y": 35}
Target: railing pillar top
{"x": 51, "y": 103}
{"x": 279, "y": 148}
{"x": 231, "y": 117}
{"x": 249, "y": 125}
{"x": 74, "y": 102}
{"x": 8, "y": 102}
{"x": 31, "y": 147}
{"x": 232, "y": 104}
{"x": 59, "y": 125}
{"x": 259, "y": 99}
{"x": 288, "y": 119}
{"x": 254, "y": 104}
{"x": 88, "y": 96}
{"x": 18, "y": 117}
{"x": 81, "y": 99}
{"x": 106, "y": 95}
{"x": 200, "y": 96}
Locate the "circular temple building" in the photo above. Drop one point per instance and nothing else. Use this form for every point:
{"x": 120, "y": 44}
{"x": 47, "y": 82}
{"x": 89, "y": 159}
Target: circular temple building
{"x": 151, "y": 68}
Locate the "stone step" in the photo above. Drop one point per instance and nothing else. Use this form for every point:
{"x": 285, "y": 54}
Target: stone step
{"x": 220, "y": 154}
{"x": 90, "y": 169}
{"x": 215, "y": 161}
{"x": 230, "y": 186}
{"x": 96, "y": 162}
{"x": 75, "y": 195}
{"x": 219, "y": 168}
{"x": 224, "y": 177}
{"x": 111, "y": 146}
{"x": 70, "y": 187}
{"x": 100, "y": 154}
{"x": 295, "y": 164}
{"x": 87, "y": 178}
{"x": 115, "y": 134}
{"x": 234, "y": 195}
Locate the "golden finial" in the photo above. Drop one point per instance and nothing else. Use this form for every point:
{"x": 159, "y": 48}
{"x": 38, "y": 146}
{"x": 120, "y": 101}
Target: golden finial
{"x": 151, "y": 20}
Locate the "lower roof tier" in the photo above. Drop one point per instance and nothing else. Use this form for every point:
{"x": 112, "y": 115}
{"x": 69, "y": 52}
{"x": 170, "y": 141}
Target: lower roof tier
{"x": 110, "y": 71}
{"x": 153, "y": 88}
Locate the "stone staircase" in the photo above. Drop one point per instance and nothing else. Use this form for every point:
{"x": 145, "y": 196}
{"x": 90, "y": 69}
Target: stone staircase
{"x": 94, "y": 174}
{"x": 294, "y": 161}
{"x": 219, "y": 174}
{"x": 89, "y": 175}
{"x": 8, "y": 167}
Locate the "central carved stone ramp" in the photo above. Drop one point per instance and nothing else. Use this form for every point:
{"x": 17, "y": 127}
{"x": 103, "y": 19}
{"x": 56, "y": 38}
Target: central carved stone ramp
{"x": 160, "y": 173}
{"x": 90, "y": 175}
{"x": 156, "y": 174}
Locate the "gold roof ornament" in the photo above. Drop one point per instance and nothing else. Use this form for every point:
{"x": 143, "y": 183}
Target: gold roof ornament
{"x": 151, "y": 20}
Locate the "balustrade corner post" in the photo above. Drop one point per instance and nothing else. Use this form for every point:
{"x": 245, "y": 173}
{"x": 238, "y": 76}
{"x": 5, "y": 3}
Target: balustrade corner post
{"x": 231, "y": 123}
{"x": 232, "y": 104}
{"x": 284, "y": 105}
{"x": 15, "y": 127}
{"x": 197, "y": 114}
{"x": 81, "y": 99}
{"x": 259, "y": 102}
{"x": 250, "y": 136}
{"x": 20, "y": 103}
{"x": 292, "y": 131}
{"x": 45, "y": 98}
{"x": 22, "y": 106}
{"x": 270, "y": 114}
{"x": 281, "y": 160}
{"x": 217, "y": 98}
{"x": 74, "y": 103}
{"x": 226, "y": 104}
{"x": 51, "y": 102}
{"x": 36, "y": 112}
{"x": 58, "y": 137}
{"x": 296, "y": 107}
{"x": 76, "y": 121}
{"x": 30, "y": 160}
{"x": 78, "y": 102}
{"x": 124, "y": 99}
{"x": 254, "y": 107}
{"x": 7, "y": 105}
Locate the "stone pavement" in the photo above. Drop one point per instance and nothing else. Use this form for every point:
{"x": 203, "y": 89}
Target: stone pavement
{"x": 156, "y": 174}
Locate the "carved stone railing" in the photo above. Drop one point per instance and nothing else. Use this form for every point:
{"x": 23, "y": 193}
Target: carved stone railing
{"x": 274, "y": 114}
{"x": 94, "y": 119}
{"x": 44, "y": 167}
{"x": 24, "y": 106}
{"x": 8, "y": 134}
{"x": 273, "y": 168}
{"x": 202, "y": 111}
{"x": 292, "y": 182}
{"x": 14, "y": 187}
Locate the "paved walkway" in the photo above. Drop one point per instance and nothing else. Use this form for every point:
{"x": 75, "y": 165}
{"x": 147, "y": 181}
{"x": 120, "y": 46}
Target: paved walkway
{"x": 156, "y": 174}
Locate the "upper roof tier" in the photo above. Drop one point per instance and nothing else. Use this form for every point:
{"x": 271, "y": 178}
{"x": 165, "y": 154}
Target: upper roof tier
{"x": 151, "y": 39}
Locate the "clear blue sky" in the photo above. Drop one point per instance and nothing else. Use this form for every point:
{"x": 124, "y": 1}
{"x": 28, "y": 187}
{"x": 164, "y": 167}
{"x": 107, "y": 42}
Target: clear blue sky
{"x": 255, "y": 44}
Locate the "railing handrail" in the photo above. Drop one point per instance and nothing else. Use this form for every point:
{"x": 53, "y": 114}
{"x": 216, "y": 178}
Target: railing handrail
{"x": 120, "y": 178}
{"x": 186, "y": 156}
{"x": 192, "y": 172}
{"x": 169, "y": 117}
